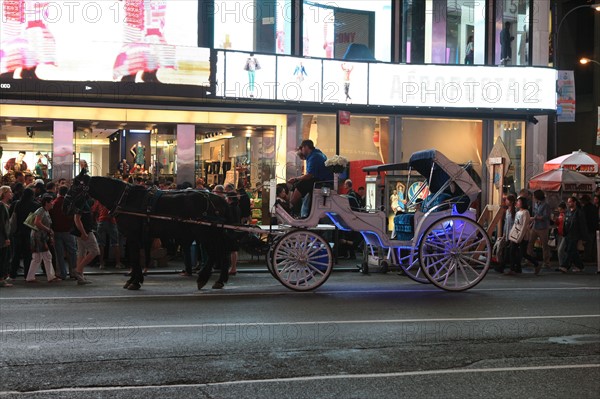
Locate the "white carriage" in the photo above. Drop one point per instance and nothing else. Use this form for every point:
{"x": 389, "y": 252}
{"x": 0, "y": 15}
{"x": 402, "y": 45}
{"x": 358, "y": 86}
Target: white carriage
{"x": 439, "y": 241}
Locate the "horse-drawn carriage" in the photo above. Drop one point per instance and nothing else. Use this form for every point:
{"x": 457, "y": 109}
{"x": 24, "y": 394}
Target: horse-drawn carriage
{"x": 440, "y": 243}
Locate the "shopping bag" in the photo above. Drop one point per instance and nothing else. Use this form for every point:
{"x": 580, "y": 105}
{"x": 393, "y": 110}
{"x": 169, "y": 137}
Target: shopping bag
{"x": 29, "y": 222}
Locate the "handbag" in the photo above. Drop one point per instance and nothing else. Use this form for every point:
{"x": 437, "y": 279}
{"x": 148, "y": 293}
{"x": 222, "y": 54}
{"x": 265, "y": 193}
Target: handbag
{"x": 552, "y": 237}
{"x": 12, "y": 224}
{"x": 30, "y": 221}
{"x": 514, "y": 235}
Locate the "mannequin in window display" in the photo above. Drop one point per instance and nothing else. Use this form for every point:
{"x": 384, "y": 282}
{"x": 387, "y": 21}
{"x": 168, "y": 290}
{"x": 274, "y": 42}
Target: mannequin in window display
{"x": 41, "y": 168}
{"x": 138, "y": 150}
{"x": 16, "y": 164}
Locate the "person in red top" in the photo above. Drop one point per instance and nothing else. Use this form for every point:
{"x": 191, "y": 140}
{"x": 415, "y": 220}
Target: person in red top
{"x": 560, "y": 226}
{"x": 64, "y": 242}
{"x": 107, "y": 226}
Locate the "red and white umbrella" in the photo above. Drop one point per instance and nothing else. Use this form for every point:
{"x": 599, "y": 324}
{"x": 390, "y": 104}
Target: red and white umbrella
{"x": 561, "y": 180}
{"x": 578, "y": 160}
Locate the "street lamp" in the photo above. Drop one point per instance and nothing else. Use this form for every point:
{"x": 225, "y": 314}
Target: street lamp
{"x": 596, "y": 7}
{"x": 584, "y": 61}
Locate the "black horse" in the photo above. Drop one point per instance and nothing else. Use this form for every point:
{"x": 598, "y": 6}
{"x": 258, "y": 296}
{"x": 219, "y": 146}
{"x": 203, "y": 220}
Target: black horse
{"x": 158, "y": 214}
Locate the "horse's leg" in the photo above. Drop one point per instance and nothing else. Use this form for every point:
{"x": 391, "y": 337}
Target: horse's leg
{"x": 137, "y": 275}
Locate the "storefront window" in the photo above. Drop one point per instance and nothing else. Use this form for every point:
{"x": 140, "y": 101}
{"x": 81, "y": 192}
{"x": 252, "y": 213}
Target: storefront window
{"x": 512, "y": 134}
{"x": 443, "y": 134}
{"x": 347, "y": 29}
{"x": 27, "y": 150}
{"x": 253, "y": 25}
{"x": 85, "y": 151}
{"x": 443, "y": 31}
{"x": 243, "y": 156}
{"x": 512, "y": 32}
{"x": 162, "y": 163}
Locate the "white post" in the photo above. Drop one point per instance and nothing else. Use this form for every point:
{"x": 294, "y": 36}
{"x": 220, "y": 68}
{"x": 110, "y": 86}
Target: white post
{"x": 336, "y": 177}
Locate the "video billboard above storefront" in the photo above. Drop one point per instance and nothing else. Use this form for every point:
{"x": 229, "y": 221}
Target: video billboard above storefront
{"x": 131, "y": 41}
{"x": 284, "y": 78}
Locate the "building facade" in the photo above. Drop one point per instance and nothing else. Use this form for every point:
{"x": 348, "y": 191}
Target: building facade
{"x": 225, "y": 90}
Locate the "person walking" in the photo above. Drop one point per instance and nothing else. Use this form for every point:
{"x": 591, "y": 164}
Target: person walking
{"x": 5, "y": 197}
{"x": 540, "y": 226}
{"x": 560, "y": 225}
{"x": 574, "y": 230}
{"x": 21, "y": 239}
{"x": 64, "y": 242}
{"x": 509, "y": 221}
{"x": 41, "y": 240}
{"x": 107, "y": 226}
{"x": 518, "y": 238}
{"x": 87, "y": 246}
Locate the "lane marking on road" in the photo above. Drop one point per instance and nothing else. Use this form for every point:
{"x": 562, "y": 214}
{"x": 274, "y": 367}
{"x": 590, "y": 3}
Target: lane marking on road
{"x": 309, "y": 378}
{"x": 231, "y": 293}
{"x": 92, "y": 326}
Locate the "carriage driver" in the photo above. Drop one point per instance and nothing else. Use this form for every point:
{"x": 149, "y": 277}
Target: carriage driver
{"x": 316, "y": 171}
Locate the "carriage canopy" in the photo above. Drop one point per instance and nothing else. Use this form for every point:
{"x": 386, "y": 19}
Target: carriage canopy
{"x": 444, "y": 170}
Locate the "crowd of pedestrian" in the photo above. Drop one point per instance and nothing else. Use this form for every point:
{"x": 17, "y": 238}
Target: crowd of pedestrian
{"x": 570, "y": 229}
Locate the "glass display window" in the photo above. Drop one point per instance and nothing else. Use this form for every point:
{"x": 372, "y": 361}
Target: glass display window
{"x": 443, "y": 32}
{"x": 512, "y": 32}
{"x": 253, "y": 25}
{"x": 28, "y": 150}
{"x": 512, "y": 134}
{"x": 347, "y": 29}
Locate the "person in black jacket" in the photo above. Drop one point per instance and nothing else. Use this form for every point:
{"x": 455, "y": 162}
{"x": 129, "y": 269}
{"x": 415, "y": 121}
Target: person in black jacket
{"x": 5, "y": 197}
{"x": 590, "y": 213}
{"x": 574, "y": 230}
{"x": 21, "y": 239}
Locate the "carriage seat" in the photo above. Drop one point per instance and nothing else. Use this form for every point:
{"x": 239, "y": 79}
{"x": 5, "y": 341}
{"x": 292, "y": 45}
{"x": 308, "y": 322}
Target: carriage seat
{"x": 404, "y": 226}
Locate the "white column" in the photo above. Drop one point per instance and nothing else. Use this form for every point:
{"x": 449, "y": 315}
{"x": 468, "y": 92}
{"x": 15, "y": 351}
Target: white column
{"x": 62, "y": 150}
{"x": 537, "y": 135}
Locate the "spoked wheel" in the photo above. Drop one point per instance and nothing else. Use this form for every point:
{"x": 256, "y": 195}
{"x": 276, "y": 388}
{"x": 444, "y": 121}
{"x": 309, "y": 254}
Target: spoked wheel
{"x": 302, "y": 260}
{"x": 455, "y": 253}
{"x": 413, "y": 270}
{"x": 269, "y": 257}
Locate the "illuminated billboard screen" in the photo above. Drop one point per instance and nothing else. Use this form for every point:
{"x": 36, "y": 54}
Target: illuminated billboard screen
{"x": 345, "y": 82}
{"x": 451, "y": 86}
{"x": 246, "y": 75}
{"x": 132, "y": 41}
{"x": 299, "y": 79}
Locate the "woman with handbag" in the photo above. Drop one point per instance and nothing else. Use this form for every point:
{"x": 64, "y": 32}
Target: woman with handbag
{"x": 5, "y": 197}
{"x": 509, "y": 221}
{"x": 41, "y": 240}
{"x": 519, "y": 239}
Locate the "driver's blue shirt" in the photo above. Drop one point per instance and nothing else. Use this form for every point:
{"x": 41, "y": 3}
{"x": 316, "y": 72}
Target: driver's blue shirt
{"x": 315, "y": 165}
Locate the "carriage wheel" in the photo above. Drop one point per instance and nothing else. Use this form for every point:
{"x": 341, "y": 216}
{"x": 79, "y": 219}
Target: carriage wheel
{"x": 302, "y": 260}
{"x": 455, "y": 253}
{"x": 414, "y": 271}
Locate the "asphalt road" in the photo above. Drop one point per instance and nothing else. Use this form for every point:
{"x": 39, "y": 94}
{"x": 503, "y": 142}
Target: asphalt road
{"x": 356, "y": 337}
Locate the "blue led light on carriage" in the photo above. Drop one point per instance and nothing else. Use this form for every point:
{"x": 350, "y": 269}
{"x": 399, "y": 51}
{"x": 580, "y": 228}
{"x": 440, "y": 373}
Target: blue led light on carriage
{"x": 336, "y": 222}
